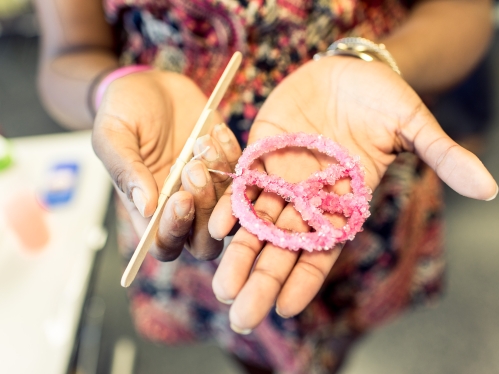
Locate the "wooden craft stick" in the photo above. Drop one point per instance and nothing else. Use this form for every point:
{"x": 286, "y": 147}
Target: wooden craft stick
{"x": 173, "y": 180}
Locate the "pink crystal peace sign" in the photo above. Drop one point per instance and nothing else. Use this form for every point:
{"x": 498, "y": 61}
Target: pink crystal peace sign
{"x": 308, "y": 197}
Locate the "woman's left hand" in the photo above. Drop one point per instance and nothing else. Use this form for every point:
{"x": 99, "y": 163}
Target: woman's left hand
{"x": 375, "y": 114}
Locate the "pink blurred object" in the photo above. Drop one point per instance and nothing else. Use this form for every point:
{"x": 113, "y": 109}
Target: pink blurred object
{"x": 116, "y": 74}
{"x": 27, "y": 218}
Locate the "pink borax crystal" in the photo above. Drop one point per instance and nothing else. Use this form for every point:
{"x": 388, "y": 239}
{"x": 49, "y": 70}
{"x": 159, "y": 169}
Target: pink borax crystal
{"x": 308, "y": 197}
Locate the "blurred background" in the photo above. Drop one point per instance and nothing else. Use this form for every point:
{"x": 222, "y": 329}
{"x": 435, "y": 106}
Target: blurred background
{"x": 85, "y": 326}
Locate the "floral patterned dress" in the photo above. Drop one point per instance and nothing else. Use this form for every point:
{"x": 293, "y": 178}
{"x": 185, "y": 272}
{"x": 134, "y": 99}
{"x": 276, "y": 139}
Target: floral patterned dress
{"x": 396, "y": 262}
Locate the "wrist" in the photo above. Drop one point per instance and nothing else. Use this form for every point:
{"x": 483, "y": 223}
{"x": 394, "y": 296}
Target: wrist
{"x": 93, "y": 87}
{"x": 361, "y": 48}
{"x": 102, "y": 82}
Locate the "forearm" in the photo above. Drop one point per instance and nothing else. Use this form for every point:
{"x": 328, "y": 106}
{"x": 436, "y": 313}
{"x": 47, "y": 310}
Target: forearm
{"x": 441, "y": 41}
{"x": 65, "y": 83}
{"x": 77, "y": 46}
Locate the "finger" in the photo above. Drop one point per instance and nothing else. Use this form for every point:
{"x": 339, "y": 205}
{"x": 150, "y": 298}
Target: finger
{"x": 243, "y": 250}
{"x": 228, "y": 142}
{"x": 139, "y": 223}
{"x": 312, "y": 268}
{"x": 174, "y": 227}
{"x": 305, "y": 281}
{"x": 120, "y": 154}
{"x": 456, "y": 166}
{"x": 197, "y": 180}
{"x": 211, "y": 153}
{"x": 222, "y": 220}
{"x": 278, "y": 273}
{"x": 271, "y": 270}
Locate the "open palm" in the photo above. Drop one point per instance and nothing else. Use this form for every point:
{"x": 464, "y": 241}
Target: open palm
{"x": 140, "y": 129}
{"x": 373, "y": 113}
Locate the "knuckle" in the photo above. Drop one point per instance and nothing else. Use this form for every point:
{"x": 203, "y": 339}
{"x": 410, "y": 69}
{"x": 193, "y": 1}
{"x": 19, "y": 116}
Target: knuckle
{"x": 205, "y": 210}
{"x": 242, "y": 247}
{"x": 206, "y": 250}
{"x": 221, "y": 182}
{"x": 262, "y": 214}
{"x": 118, "y": 175}
{"x": 268, "y": 275}
{"x": 443, "y": 156}
{"x": 168, "y": 247}
{"x": 206, "y": 255}
{"x": 312, "y": 270}
{"x": 164, "y": 255}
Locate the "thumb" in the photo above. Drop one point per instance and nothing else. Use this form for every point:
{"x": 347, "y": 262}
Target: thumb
{"x": 457, "y": 167}
{"x": 119, "y": 152}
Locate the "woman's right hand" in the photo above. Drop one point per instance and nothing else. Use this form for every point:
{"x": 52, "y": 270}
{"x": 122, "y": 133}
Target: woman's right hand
{"x": 140, "y": 129}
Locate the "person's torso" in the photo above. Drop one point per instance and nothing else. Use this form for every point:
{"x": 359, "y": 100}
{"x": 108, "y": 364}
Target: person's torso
{"x": 198, "y": 37}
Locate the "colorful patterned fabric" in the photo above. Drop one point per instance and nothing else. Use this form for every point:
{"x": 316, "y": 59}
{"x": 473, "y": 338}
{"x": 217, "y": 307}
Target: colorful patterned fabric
{"x": 396, "y": 262}
{"x": 198, "y": 37}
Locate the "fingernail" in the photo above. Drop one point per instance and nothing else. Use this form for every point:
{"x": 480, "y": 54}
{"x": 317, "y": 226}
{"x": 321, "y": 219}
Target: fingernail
{"x": 216, "y": 238}
{"x": 139, "y": 200}
{"x": 280, "y": 314}
{"x": 222, "y": 133}
{"x": 495, "y": 195}
{"x": 196, "y": 174}
{"x": 204, "y": 143}
{"x": 239, "y": 330}
{"x": 182, "y": 208}
{"x": 224, "y": 301}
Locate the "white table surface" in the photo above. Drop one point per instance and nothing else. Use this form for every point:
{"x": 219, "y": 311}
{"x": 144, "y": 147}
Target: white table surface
{"x": 41, "y": 295}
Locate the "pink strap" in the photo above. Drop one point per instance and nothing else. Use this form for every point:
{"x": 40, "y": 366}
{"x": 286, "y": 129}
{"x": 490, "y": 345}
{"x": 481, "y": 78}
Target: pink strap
{"x": 111, "y": 77}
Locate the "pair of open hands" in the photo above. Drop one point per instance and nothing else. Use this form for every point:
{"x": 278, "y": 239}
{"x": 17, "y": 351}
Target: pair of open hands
{"x": 146, "y": 117}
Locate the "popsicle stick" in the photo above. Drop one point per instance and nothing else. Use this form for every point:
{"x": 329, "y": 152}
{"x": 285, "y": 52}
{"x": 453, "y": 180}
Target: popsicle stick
{"x": 224, "y": 81}
{"x": 173, "y": 180}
